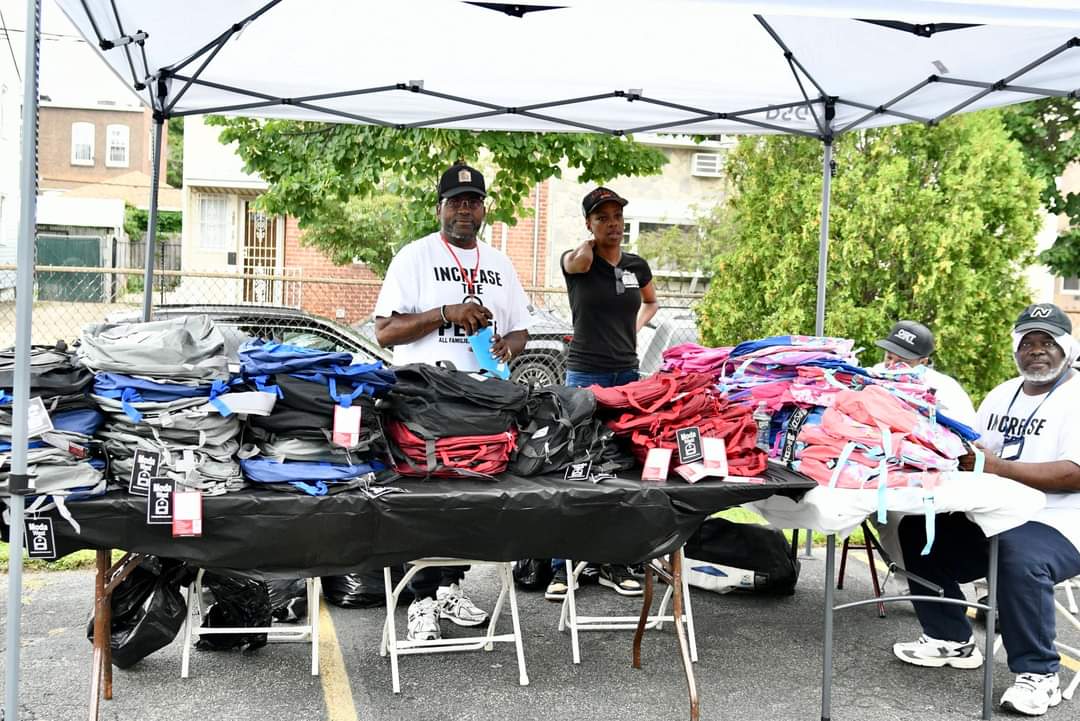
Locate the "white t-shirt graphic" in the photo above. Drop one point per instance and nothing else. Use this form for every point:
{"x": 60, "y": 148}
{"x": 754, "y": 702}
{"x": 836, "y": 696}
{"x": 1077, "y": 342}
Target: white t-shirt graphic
{"x": 425, "y": 275}
{"x": 1052, "y": 434}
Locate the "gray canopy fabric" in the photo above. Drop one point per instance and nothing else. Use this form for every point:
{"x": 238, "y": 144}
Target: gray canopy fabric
{"x": 693, "y": 66}
{"x": 815, "y": 68}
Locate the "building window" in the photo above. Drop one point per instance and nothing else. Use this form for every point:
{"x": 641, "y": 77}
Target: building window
{"x": 1071, "y": 285}
{"x": 82, "y": 143}
{"x": 707, "y": 165}
{"x": 213, "y": 222}
{"x": 117, "y": 137}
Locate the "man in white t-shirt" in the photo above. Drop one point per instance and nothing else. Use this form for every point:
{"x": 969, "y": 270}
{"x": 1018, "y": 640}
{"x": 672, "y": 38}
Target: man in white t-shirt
{"x": 1030, "y": 434}
{"x": 438, "y": 291}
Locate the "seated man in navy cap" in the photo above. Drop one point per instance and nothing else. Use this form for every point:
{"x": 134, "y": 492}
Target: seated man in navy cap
{"x": 1030, "y": 434}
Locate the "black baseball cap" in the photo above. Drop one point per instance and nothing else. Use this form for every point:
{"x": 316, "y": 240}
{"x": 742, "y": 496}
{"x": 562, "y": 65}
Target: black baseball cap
{"x": 460, "y": 179}
{"x": 601, "y": 195}
{"x": 1045, "y": 317}
{"x": 909, "y": 340}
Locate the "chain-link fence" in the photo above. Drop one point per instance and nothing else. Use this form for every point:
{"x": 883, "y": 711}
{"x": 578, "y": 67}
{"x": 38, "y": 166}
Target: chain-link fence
{"x": 326, "y": 313}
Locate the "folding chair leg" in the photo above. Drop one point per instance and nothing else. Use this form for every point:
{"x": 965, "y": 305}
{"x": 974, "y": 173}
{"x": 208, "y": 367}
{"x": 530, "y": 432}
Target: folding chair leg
{"x": 519, "y": 646}
{"x": 843, "y": 564}
{"x": 389, "y": 632}
{"x": 194, "y": 601}
{"x": 873, "y": 568}
{"x": 571, "y": 607}
{"x": 314, "y": 588}
{"x": 497, "y": 611}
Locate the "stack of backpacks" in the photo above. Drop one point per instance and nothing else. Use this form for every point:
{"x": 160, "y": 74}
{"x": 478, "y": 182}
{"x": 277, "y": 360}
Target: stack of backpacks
{"x": 64, "y": 464}
{"x": 446, "y": 423}
{"x": 647, "y": 414}
{"x": 161, "y": 386}
{"x": 292, "y": 448}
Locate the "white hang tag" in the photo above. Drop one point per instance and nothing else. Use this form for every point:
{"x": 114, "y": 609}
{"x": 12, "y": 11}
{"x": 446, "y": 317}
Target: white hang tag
{"x": 187, "y": 513}
{"x": 346, "y": 426}
{"x": 715, "y": 456}
{"x": 37, "y": 418}
{"x": 692, "y": 472}
{"x": 656, "y": 465}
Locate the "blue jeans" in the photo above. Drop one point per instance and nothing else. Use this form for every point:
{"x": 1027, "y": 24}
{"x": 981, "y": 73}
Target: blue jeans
{"x": 605, "y": 379}
{"x": 1032, "y": 558}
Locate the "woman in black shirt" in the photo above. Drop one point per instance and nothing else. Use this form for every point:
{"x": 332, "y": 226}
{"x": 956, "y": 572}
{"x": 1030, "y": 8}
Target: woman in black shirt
{"x": 611, "y": 298}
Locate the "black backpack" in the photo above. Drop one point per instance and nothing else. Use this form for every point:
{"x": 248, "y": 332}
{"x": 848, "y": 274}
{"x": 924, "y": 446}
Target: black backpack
{"x": 749, "y": 546}
{"x": 557, "y": 432}
{"x": 436, "y": 402}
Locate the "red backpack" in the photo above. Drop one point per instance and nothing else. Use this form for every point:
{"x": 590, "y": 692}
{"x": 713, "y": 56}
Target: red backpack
{"x": 451, "y": 456}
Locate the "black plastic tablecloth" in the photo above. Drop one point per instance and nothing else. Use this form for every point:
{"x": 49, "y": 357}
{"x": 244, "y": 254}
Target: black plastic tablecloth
{"x": 271, "y": 533}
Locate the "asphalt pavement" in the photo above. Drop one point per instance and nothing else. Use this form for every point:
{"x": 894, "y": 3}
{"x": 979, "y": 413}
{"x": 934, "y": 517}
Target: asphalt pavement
{"x": 760, "y": 659}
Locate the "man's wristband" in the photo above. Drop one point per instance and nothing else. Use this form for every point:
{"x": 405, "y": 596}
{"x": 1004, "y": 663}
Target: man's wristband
{"x": 442, "y": 312}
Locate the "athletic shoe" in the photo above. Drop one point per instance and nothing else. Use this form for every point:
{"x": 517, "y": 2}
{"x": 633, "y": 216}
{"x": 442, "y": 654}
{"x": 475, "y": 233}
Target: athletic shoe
{"x": 934, "y": 653}
{"x": 556, "y": 590}
{"x": 424, "y": 620}
{"x": 1032, "y": 694}
{"x": 620, "y": 580}
{"x": 455, "y": 606}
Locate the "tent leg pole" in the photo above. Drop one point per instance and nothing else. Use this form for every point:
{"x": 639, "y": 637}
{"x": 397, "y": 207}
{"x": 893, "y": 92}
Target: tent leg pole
{"x": 24, "y": 308}
{"x": 823, "y": 264}
{"x": 151, "y": 224}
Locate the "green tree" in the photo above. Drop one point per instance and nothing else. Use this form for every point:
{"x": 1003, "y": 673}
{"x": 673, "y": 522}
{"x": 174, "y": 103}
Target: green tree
{"x": 933, "y": 224}
{"x": 690, "y": 248}
{"x": 1049, "y": 132}
{"x": 361, "y": 191}
{"x": 174, "y": 167}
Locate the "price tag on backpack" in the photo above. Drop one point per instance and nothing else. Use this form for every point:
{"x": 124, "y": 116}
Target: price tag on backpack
{"x": 690, "y": 449}
{"x": 159, "y": 502}
{"x": 144, "y": 466}
{"x": 578, "y": 471}
{"x": 656, "y": 464}
{"x": 37, "y": 418}
{"x": 715, "y": 456}
{"x": 187, "y": 513}
{"x": 692, "y": 472}
{"x": 40, "y": 542}
{"x": 346, "y": 426}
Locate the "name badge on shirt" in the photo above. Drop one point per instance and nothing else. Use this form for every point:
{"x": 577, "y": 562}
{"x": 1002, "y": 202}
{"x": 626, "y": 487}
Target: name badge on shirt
{"x": 1011, "y": 448}
{"x": 629, "y": 280}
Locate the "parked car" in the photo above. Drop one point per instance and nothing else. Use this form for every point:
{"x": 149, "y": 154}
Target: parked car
{"x": 240, "y": 323}
{"x": 670, "y": 327}
{"x": 542, "y": 363}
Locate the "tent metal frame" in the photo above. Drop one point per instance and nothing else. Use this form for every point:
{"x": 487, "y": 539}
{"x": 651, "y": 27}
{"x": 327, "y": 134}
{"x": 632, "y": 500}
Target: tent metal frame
{"x": 158, "y": 88}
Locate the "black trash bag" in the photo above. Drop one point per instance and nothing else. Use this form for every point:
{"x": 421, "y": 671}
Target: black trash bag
{"x": 362, "y": 590}
{"x": 749, "y": 546}
{"x": 288, "y": 599}
{"x": 533, "y": 574}
{"x": 148, "y": 610}
{"x": 238, "y": 603}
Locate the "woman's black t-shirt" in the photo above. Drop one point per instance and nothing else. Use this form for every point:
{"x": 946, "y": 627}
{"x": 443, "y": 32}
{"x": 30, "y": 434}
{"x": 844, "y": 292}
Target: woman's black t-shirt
{"x": 605, "y": 338}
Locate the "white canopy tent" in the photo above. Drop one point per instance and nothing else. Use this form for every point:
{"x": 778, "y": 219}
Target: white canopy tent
{"x": 813, "y": 68}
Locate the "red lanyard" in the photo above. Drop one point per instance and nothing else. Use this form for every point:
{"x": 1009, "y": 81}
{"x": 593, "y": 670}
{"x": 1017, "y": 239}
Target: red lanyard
{"x": 468, "y": 279}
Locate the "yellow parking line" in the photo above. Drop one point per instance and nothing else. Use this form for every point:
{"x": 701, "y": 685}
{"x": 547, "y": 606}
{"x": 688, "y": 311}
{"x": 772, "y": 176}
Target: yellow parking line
{"x": 1066, "y": 660}
{"x": 335, "y": 681}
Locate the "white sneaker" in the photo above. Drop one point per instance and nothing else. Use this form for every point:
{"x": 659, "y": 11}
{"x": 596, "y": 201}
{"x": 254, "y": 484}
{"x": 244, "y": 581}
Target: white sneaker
{"x": 935, "y": 653}
{"x": 1032, "y": 694}
{"x": 424, "y": 620}
{"x": 455, "y": 606}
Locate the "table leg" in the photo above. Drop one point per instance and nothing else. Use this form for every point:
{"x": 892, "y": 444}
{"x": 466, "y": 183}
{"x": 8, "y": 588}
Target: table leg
{"x": 680, "y": 631}
{"x": 102, "y": 633}
{"x": 991, "y": 623}
{"x": 827, "y": 658}
{"x": 646, "y": 606}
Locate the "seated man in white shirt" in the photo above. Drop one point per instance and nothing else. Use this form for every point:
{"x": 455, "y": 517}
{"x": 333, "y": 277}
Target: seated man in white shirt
{"x": 1030, "y": 434}
{"x": 438, "y": 291}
